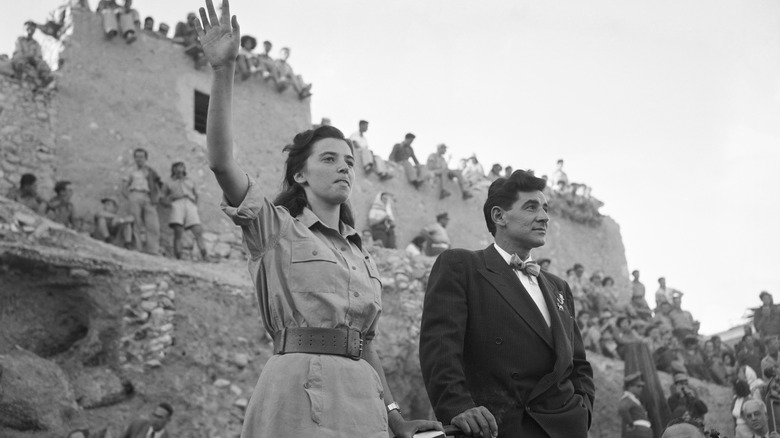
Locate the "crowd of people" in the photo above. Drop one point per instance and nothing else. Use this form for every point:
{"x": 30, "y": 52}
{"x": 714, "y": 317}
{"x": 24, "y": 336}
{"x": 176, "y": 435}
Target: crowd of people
{"x": 144, "y": 191}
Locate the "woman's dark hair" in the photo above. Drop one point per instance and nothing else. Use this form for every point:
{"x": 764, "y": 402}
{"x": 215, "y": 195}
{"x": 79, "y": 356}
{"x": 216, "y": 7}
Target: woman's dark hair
{"x": 729, "y": 355}
{"x": 607, "y": 280}
{"x": 504, "y": 192}
{"x": 60, "y": 186}
{"x": 418, "y": 241}
{"x": 27, "y": 180}
{"x": 292, "y": 196}
{"x": 178, "y": 163}
{"x": 741, "y": 388}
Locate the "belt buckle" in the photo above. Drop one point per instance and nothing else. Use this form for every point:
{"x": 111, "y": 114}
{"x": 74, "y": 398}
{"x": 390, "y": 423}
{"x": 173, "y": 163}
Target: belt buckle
{"x": 351, "y": 335}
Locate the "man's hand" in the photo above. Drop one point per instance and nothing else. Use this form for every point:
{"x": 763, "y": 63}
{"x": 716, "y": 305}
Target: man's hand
{"x": 406, "y": 429}
{"x": 219, "y": 40}
{"x": 477, "y": 422}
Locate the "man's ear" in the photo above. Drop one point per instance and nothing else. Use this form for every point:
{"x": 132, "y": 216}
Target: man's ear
{"x": 497, "y": 215}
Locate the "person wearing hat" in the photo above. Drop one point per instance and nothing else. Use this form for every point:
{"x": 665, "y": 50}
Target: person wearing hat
{"x": 111, "y": 227}
{"x": 500, "y": 351}
{"x": 27, "y": 60}
{"x": 438, "y": 166}
{"x": 436, "y": 234}
{"x": 634, "y": 420}
{"x": 685, "y": 402}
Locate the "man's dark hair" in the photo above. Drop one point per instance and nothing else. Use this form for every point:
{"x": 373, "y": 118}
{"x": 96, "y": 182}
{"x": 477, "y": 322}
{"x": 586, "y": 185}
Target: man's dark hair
{"x": 60, "y": 186}
{"x": 27, "y": 180}
{"x": 167, "y": 407}
{"x": 146, "y": 154}
{"x": 362, "y": 122}
{"x": 505, "y": 191}
{"x": 409, "y": 136}
{"x": 578, "y": 266}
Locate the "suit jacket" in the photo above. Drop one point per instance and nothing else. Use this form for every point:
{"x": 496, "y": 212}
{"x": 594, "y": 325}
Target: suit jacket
{"x": 139, "y": 429}
{"x": 484, "y": 342}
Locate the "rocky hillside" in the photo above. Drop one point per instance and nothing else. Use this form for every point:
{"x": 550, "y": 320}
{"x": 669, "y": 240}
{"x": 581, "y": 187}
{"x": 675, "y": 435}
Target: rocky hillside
{"x": 92, "y": 335}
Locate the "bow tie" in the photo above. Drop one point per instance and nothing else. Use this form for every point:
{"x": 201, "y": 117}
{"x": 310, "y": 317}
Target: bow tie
{"x": 528, "y": 268}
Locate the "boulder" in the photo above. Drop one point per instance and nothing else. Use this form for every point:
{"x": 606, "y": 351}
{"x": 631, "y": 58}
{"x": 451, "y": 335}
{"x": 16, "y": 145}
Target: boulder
{"x": 35, "y": 394}
{"x": 98, "y": 387}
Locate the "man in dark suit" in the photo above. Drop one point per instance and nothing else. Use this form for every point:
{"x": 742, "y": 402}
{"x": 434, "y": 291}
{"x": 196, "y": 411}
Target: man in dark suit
{"x": 154, "y": 427}
{"x": 499, "y": 346}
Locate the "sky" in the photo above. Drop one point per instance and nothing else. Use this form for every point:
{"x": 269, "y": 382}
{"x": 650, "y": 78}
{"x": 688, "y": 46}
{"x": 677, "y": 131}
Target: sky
{"x": 669, "y": 110}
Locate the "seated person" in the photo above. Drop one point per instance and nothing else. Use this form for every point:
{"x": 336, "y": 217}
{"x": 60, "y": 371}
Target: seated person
{"x": 117, "y": 19}
{"x": 245, "y": 61}
{"x": 286, "y": 77}
{"x": 27, "y": 60}
{"x": 187, "y": 35}
{"x": 266, "y": 66}
{"x": 438, "y": 166}
{"x": 60, "y": 208}
{"x": 27, "y": 194}
{"x": 163, "y": 29}
{"x": 110, "y": 227}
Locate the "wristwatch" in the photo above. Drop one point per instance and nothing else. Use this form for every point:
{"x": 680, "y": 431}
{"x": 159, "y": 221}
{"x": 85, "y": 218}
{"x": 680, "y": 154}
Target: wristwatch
{"x": 393, "y": 407}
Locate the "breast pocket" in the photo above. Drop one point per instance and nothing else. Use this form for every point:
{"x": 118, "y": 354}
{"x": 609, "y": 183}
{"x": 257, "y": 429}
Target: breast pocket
{"x": 313, "y": 268}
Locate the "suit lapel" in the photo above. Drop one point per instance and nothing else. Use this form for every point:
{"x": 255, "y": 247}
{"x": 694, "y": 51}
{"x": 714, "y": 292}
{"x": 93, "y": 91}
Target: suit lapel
{"x": 560, "y": 325}
{"x": 498, "y": 273}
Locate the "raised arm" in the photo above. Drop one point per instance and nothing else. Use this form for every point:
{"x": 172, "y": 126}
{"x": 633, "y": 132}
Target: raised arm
{"x": 219, "y": 38}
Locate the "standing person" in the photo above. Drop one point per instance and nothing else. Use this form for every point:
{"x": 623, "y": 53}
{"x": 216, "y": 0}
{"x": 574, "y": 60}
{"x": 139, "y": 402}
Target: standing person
{"x": 766, "y": 318}
{"x": 638, "y": 300}
{"x": 559, "y": 178}
{"x": 142, "y": 187}
{"x": 313, "y": 277}
{"x": 635, "y": 422}
{"x": 60, "y": 208}
{"x": 153, "y": 427}
{"x": 381, "y": 220}
{"x": 500, "y": 351}
{"x": 183, "y": 197}
{"x": 401, "y": 154}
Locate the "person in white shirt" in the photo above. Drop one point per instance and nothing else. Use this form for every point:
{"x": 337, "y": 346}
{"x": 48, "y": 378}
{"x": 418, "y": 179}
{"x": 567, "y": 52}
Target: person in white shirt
{"x": 369, "y": 160}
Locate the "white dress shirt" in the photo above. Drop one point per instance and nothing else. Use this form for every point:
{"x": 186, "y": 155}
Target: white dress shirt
{"x": 530, "y": 283}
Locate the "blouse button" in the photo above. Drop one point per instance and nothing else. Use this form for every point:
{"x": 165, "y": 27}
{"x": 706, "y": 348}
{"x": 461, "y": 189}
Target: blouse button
{"x": 314, "y": 253}
{"x": 354, "y": 268}
{"x": 356, "y": 294}
{"x": 499, "y": 341}
{"x": 343, "y": 248}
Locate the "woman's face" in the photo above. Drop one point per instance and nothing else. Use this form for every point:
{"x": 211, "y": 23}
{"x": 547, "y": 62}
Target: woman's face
{"x": 329, "y": 173}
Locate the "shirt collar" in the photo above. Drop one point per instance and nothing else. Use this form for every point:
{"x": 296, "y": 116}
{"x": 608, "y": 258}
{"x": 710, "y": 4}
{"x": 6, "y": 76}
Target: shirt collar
{"x": 506, "y": 256}
{"x": 309, "y": 219}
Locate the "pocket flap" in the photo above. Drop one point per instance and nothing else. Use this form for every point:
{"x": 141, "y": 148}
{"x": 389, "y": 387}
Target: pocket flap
{"x": 309, "y": 251}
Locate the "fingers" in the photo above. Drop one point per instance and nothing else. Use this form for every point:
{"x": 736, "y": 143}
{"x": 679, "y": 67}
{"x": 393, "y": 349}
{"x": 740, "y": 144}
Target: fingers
{"x": 236, "y": 27}
{"x": 225, "y": 11}
{"x": 477, "y": 422}
{"x": 199, "y": 28}
{"x": 213, "y": 19}
{"x": 492, "y": 424}
{"x": 204, "y": 19}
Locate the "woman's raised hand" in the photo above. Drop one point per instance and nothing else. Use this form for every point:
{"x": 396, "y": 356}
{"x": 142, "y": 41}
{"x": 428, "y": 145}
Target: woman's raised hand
{"x": 219, "y": 37}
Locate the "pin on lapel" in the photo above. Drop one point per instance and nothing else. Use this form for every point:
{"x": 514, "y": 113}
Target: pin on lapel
{"x": 560, "y": 301}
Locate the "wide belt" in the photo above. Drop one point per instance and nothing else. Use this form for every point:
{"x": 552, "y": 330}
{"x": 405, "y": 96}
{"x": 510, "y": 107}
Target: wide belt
{"x": 347, "y": 342}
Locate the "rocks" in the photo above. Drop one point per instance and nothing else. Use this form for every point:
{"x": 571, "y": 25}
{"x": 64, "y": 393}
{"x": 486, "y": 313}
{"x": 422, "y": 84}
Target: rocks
{"x": 241, "y": 360}
{"x": 149, "y": 331}
{"x": 221, "y": 383}
{"x": 98, "y": 387}
{"x": 36, "y": 394}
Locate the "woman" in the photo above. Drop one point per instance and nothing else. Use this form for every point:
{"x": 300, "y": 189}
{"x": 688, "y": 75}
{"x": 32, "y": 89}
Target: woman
{"x": 181, "y": 194}
{"x": 317, "y": 287}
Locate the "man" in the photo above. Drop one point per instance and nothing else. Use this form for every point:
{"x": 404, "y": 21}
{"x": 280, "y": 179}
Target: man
{"x": 286, "y": 77}
{"x": 369, "y": 160}
{"x": 682, "y": 429}
{"x": 754, "y": 414}
{"x": 154, "y": 427}
{"x": 27, "y": 60}
{"x": 142, "y": 189}
{"x": 499, "y": 349}
{"x": 495, "y": 173}
{"x": 436, "y": 235}
{"x": 766, "y": 318}
{"x": 634, "y": 419}
{"x": 682, "y": 320}
{"x": 27, "y": 194}
{"x": 60, "y": 208}
{"x": 266, "y": 66}
{"x": 401, "y": 154}
{"x": 111, "y": 227}
{"x": 559, "y": 179}
{"x": 685, "y": 402}
{"x": 438, "y": 166}
{"x": 663, "y": 294}
{"x": 187, "y": 35}
{"x": 638, "y": 301}
{"x": 770, "y": 361}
